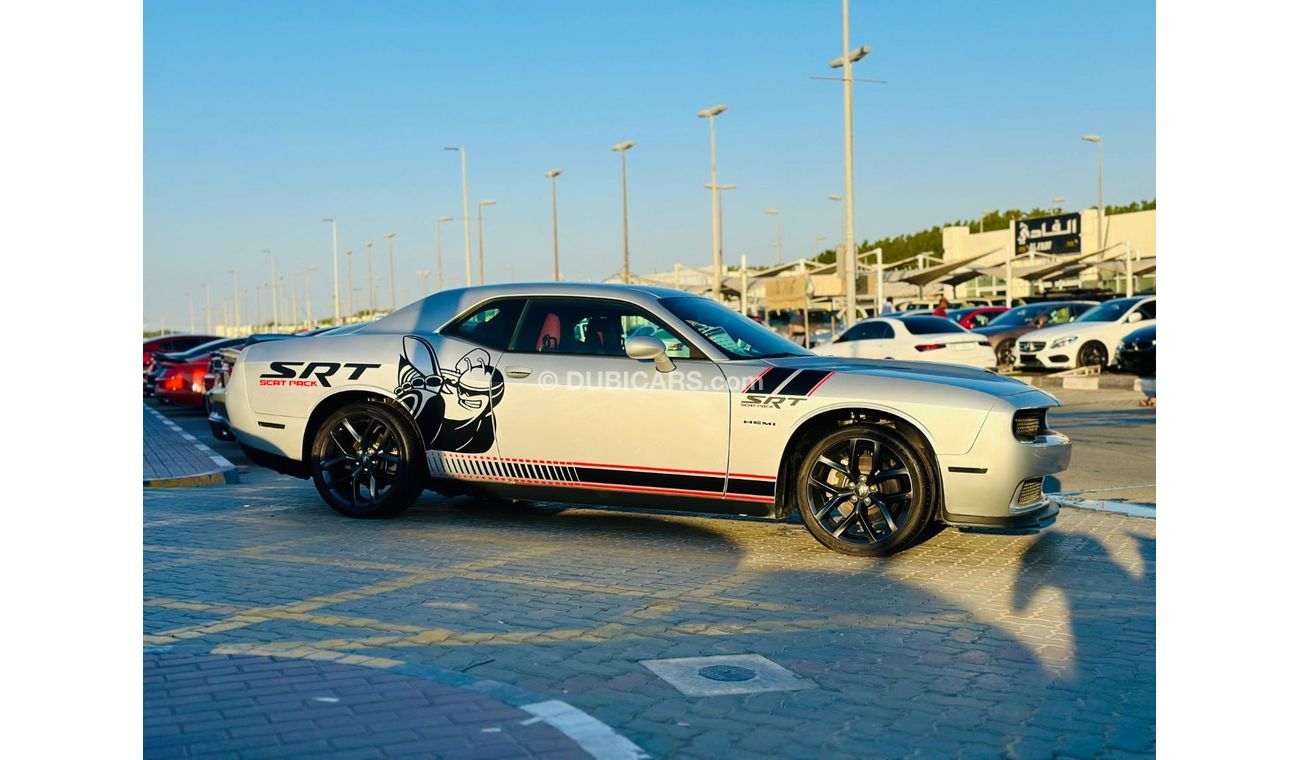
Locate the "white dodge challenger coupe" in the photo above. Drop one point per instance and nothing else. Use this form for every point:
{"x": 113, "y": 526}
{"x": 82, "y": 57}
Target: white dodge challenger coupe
{"x": 643, "y": 397}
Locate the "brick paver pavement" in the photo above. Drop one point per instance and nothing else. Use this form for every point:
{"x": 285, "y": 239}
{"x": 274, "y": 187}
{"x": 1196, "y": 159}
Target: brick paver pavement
{"x": 968, "y": 646}
{"x": 171, "y": 454}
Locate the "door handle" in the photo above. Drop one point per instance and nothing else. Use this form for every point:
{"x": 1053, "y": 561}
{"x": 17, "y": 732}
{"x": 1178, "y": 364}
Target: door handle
{"x": 519, "y": 371}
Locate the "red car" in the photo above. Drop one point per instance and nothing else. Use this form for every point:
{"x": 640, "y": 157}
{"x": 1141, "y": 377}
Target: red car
{"x": 975, "y": 316}
{"x": 183, "y": 383}
{"x": 166, "y": 344}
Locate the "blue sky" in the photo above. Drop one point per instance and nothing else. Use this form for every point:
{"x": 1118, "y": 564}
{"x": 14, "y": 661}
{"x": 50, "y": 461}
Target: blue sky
{"x": 262, "y": 118}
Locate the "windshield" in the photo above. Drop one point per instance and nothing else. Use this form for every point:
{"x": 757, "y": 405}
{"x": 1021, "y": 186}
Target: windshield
{"x": 1110, "y": 311}
{"x": 737, "y": 336}
{"x": 1021, "y": 315}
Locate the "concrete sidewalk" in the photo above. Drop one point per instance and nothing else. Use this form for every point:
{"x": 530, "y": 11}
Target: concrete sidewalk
{"x": 176, "y": 459}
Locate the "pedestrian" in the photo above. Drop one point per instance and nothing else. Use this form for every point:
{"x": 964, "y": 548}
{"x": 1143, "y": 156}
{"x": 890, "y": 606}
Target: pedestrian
{"x": 942, "y": 309}
{"x": 888, "y": 308}
{"x": 797, "y": 331}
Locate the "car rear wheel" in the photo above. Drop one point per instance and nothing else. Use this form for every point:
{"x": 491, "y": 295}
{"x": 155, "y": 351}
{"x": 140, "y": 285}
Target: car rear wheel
{"x": 1006, "y": 352}
{"x": 865, "y": 490}
{"x": 366, "y": 461}
{"x": 1092, "y": 354}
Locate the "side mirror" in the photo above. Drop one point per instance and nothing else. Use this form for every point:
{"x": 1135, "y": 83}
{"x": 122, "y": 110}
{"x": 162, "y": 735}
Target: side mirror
{"x": 643, "y": 347}
{"x": 1135, "y": 316}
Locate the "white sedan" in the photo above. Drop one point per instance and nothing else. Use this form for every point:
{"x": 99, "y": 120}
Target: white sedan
{"x": 1090, "y": 340}
{"x": 914, "y": 338}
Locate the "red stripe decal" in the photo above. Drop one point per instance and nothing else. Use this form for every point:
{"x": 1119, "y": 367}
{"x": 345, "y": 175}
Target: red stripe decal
{"x": 754, "y": 382}
{"x": 818, "y": 385}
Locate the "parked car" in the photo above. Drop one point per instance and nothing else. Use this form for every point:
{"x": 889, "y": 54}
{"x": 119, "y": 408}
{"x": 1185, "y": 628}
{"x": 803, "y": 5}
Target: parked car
{"x": 1137, "y": 352}
{"x": 1090, "y": 341}
{"x": 170, "y": 344}
{"x": 913, "y": 338}
{"x": 165, "y": 361}
{"x": 214, "y": 402}
{"x": 971, "y": 317}
{"x": 539, "y": 392}
{"x": 1003, "y": 330}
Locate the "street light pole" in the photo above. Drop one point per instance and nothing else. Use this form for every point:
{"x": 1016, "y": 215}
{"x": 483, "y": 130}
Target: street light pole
{"x": 351, "y": 311}
{"x": 622, "y": 149}
{"x": 275, "y": 308}
{"x": 1101, "y": 209}
{"x": 481, "y": 204}
{"x": 190, "y": 298}
{"x": 234, "y": 276}
{"x": 777, "y": 214}
{"x": 710, "y": 113}
{"x": 850, "y": 243}
{"x": 307, "y": 285}
{"x": 370, "y": 276}
{"x": 464, "y": 202}
{"x": 437, "y": 227}
{"x": 424, "y": 278}
{"x": 338, "y": 305}
{"x": 555, "y": 220}
{"x": 259, "y": 304}
{"x": 392, "y": 276}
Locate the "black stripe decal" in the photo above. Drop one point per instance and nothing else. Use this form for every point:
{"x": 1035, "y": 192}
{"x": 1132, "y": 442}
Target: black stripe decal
{"x": 771, "y": 380}
{"x": 751, "y": 487}
{"x": 803, "y": 382}
{"x": 676, "y": 481}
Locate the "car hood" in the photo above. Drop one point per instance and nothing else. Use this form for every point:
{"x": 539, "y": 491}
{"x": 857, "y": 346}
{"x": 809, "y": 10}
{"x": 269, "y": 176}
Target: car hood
{"x": 998, "y": 331}
{"x": 1070, "y": 328}
{"x": 928, "y": 372}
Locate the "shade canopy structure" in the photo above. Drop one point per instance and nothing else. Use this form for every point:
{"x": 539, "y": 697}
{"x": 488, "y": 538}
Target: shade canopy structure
{"x": 923, "y": 277}
{"x": 957, "y": 278}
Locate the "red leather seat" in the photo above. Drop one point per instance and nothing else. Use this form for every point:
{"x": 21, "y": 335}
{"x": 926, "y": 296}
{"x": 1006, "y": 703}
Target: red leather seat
{"x": 548, "y": 339}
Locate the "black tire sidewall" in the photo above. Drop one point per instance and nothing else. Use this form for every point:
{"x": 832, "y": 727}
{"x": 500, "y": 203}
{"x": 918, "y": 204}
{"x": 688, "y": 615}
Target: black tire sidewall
{"x": 923, "y": 486}
{"x": 411, "y": 480}
{"x": 1101, "y": 350}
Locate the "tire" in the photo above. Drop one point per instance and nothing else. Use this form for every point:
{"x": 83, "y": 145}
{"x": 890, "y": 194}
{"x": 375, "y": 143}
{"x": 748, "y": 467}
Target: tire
{"x": 874, "y": 511}
{"x": 1092, "y": 353}
{"x": 367, "y": 461}
{"x": 1006, "y": 352}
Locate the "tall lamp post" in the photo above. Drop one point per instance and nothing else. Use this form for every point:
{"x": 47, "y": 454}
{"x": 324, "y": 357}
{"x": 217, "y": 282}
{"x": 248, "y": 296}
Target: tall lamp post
{"x": 846, "y": 62}
{"x": 424, "y": 280}
{"x": 370, "y": 276}
{"x": 338, "y": 305}
{"x": 307, "y": 288}
{"x": 1057, "y": 204}
{"x": 190, "y": 298}
{"x": 438, "y": 234}
{"x": 710, "y": 113}
{"x": 555, "y": 220}
{"x": 351, "y": 311}
{"x": 481, "y": 204}
{"x": 621, "y": 149}
{"x": 275, "y": 308}
{"x": 464, "y": 202}
{"x": 234, "y": 276}
{"x": 392, "y": 276}
{"x": 1101, "y": 210}
{"x": 777, "y": 214}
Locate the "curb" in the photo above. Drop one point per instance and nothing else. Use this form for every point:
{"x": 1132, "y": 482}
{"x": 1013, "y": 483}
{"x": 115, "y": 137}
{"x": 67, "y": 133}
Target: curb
{"x": 594, "y": 736}
{"x": 223, "y": 473}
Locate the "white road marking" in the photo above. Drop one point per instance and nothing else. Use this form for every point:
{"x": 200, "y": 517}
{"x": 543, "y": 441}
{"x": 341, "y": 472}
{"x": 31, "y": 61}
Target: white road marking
{"x": 598, "y": 739}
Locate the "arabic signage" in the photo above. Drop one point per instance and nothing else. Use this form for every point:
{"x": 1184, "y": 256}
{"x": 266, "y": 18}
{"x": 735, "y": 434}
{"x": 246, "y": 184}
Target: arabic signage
{"x": 1049, "y": 234}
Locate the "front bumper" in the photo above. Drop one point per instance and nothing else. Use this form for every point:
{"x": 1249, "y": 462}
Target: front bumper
{"x": 1021, "y": 523}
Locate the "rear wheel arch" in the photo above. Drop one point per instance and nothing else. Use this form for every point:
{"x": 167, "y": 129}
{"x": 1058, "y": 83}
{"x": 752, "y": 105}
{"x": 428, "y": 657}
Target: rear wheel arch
{"x": 336, "y": 401}
{"x": 818, "y": 425}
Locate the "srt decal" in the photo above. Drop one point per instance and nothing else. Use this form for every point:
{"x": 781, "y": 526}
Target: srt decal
{"x": 452, "y": 408}
{"x": 782, "y": 387}
{"x": 312, "y": 374}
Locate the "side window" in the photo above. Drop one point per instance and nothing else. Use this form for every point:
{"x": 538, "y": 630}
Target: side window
{"x": 589, "y": 326}
{"x": 491, "y": 325}
{"x": 1147, "y": 310}
{"x": 982, "y": 319}
{"x": 856, "y": 332}
{"x": 1059, "y": 316}
{"x": 884, "y": 331}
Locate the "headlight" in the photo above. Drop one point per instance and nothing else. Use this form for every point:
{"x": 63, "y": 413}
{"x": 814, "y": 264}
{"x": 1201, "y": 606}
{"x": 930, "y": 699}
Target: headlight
{"x": 1153, "y": 342}
{"x": 1061, "y": 342}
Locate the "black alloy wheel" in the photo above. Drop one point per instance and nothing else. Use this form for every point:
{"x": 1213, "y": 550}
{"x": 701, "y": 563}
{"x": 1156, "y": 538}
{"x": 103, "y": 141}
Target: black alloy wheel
{"x": 1092, "y": 354}
{"x": 1006, "y": 352}
{"x": 866, "y": 490}
{"x": 366, "y": 462}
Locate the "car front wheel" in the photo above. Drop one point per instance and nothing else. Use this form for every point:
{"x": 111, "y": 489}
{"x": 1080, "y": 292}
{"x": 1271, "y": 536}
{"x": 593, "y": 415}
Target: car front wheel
{"x": 366, "y": 461}
{"x": 1006, "y": 352}
{"x": 1092, "y": 354}
{"x": 865, "y": 490}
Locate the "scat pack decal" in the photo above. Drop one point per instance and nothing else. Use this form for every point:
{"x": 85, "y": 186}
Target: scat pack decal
{"x": 311, "y": 374}
{"x": 782, "y": 387}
